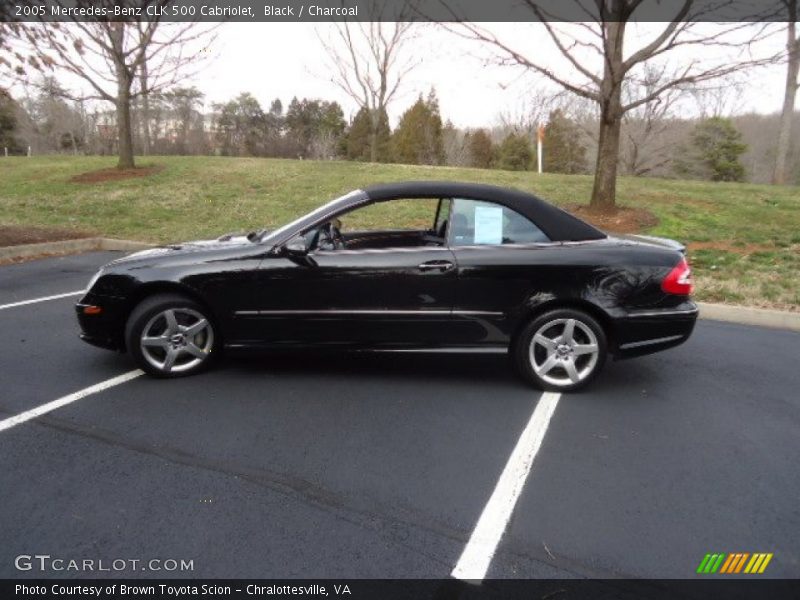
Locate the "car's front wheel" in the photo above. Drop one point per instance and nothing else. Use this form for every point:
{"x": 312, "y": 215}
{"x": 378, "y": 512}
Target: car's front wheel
{"x": 171, "y": 336}
{"x": 561, "y": 350}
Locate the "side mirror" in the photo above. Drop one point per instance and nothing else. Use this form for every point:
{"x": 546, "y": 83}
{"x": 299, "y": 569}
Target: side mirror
{"x": 296, "y": 247}
{"x": 296, "y": 250}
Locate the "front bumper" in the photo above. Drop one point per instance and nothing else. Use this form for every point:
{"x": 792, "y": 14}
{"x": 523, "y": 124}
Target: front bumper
{"x": 107, "y": 328}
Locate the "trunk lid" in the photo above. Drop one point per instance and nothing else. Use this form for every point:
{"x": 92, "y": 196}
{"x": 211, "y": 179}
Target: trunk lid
{"x": 653, "y": 241}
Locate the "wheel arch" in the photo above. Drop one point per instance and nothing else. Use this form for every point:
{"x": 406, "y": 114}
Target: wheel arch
{"x": 146, "y": 290}
{"x": 590, "y": 308}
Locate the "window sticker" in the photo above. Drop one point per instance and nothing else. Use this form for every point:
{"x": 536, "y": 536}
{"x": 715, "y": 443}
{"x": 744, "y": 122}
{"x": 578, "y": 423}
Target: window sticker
{"x": 488, "y": 225}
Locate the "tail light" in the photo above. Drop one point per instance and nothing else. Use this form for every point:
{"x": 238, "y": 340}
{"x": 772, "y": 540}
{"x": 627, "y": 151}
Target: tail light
{"x": 679, "y": 280}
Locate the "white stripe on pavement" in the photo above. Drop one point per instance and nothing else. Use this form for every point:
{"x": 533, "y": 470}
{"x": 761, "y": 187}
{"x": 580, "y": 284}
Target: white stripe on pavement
{"x": 43, "y": 299}
{"x": 477, "y": 555}
{"x": 46, "y": 408}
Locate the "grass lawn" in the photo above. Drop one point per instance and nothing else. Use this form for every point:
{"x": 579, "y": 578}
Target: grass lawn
{"x": 744, "y": 239}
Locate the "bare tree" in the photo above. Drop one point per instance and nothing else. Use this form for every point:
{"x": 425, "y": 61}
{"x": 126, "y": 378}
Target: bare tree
{"x": 722, "y": 97}
{"x": 790, "y": 91}
{"x": 323, "y": 146}
{"x": 456, "y": 152}
{"x": 369, "y": 61}
{"x": 599, "y": 69}
{"x": 108, "y": 56}
{"x": 8, "y": 31}
{"x": 530, "y": 111}
{"x": 645, "y": 145}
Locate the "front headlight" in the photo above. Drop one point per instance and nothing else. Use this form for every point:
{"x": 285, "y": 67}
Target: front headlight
{"x": 93, "y": 280}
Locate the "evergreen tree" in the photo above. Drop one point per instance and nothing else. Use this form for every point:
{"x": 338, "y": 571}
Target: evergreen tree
{"x": 481, "y": 149}
{"x": 329, "y": 139}
{"x": 418, "y": 137}
{"x": 57, "y": 123}
{"x": 358, "y": 144}
{"x": 185, "y": 105}
{"x": 8, "y": 123}
{"x": 240, "y": 127}
{"x": 563, "y": 152}
{"x": 309, "y": 122}
{"x": 273, "y": 129}
{"x": 714, "y": 152}
{"x": 515, "y": 153}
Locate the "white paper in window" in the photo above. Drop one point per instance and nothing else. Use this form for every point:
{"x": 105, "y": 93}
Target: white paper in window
{"x": 488, "y": 225}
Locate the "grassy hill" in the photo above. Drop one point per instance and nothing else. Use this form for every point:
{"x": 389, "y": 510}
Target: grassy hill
{"x": 744, "y": 239}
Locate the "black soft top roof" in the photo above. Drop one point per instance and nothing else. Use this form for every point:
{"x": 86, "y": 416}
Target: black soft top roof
{"x": 560, "y": 226}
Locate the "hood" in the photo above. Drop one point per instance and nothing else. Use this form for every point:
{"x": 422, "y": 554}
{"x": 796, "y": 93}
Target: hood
{"x": 226, "y": 242}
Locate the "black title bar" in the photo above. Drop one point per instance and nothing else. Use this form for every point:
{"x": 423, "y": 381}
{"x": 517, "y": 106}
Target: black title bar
{"x": 399, "y": 589}
{"x": 390, "y": 10}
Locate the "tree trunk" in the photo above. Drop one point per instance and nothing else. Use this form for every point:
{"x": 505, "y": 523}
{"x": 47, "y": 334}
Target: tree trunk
{"x": 145, "y": 111}
{"x": 123, "y": 100}
{"x": 787, "y": 114}
{"x": 374, "y": 119}
{"x": 124, "y": 129}
{"x": 604, "y": 191}
{"x": 124, "y": 133}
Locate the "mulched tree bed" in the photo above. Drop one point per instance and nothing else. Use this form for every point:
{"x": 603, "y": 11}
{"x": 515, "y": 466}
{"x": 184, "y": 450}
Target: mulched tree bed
{"x": 621, "y": 220}
{"x": 16, "y": 235}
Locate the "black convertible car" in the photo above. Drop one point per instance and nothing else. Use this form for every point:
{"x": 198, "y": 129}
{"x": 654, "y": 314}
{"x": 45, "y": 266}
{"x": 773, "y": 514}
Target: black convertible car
{"x": 484, "y": 267}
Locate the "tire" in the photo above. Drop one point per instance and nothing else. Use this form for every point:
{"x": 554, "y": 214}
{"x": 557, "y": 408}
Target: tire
{"x": 553, "y": 363}
{"x": 170, "y": 335}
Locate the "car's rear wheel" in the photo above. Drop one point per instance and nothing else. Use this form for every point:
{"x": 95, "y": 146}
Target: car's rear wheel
{"x": 171, "y": 336}
{"x": 561, "y": 350}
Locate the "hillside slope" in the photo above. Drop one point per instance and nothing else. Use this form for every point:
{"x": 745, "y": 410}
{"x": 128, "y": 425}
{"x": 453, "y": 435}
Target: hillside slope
{"x": 744, "y": 239}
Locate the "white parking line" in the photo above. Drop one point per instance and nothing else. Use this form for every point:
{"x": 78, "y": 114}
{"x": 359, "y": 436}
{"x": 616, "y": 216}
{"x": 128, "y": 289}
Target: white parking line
{"x": 63, "y": 401}
{"x": 43, "y": 299}
{"x": 477, "y": 555}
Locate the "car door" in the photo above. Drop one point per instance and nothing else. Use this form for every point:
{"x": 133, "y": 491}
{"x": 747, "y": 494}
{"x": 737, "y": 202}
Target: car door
{"x": 394, "y": 296}
{"x": 365, "y": 297}
{"x": 502, "y": 260}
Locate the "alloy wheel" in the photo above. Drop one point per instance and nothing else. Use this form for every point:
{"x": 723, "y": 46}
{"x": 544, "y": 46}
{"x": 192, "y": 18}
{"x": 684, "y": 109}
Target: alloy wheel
{"x": 176, "y": 340}
{"x": 564, "y": 352}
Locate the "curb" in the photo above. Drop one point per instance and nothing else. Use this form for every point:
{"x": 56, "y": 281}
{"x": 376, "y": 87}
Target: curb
{"x": 69, "y": 247}
{"x": 762, "y": 317}
{"x": 124, "y": 245}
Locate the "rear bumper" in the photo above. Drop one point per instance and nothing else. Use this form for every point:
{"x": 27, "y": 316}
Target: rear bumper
{"x": 645, "y": 332}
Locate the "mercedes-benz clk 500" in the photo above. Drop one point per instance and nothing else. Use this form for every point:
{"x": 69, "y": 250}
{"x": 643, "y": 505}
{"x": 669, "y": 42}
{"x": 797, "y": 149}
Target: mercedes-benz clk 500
{"x": 482, "y": 267}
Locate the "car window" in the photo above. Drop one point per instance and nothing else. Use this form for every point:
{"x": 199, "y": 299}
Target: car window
{"x": 416, "y": 214}
{"x": 476, "y": 222}
{"x": 277, "y": 233}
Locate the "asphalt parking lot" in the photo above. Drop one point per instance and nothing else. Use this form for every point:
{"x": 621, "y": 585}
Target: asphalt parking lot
{"x": 380, "y": 465}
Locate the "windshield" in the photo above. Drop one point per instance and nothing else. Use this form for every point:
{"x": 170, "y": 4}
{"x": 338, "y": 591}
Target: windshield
{"x": 310, "y": 218}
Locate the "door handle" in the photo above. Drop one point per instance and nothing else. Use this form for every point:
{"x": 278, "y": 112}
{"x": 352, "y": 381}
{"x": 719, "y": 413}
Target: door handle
{"x": 436, "y": 265}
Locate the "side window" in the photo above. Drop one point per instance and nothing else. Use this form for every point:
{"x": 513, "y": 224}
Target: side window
{"x": 475, "y": 222}
{"x": 417, "y": 214}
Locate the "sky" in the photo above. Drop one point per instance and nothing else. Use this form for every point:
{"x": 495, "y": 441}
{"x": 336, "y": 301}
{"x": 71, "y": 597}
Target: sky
{"x": 284, "y": 60}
